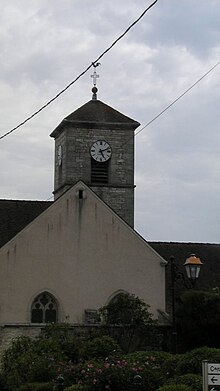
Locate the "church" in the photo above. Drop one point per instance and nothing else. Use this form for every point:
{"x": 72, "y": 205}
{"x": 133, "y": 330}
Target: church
{"x": 61, "y": 261}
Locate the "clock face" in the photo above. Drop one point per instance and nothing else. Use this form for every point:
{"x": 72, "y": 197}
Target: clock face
{"x": 100, "y": 151}
{"x": 59, "y": 155}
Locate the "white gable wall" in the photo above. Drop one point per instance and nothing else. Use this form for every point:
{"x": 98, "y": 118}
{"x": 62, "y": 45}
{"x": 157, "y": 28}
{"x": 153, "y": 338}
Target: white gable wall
{"x": 82, "y": 252}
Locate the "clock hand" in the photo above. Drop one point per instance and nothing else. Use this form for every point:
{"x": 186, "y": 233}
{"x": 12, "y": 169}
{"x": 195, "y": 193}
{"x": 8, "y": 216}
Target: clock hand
{"x": 101, "y": 152}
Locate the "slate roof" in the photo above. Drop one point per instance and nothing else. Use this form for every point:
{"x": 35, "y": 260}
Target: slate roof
{"x": 208, "y": 253}
{"x": 210, "y": 272}
{"x": 96, "y": 114}
{"x": 16, "y": 214}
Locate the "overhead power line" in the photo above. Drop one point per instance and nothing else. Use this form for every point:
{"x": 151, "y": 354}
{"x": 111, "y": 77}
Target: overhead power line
{"x": 81, "y": 74}
{"x": 179, "y": 97}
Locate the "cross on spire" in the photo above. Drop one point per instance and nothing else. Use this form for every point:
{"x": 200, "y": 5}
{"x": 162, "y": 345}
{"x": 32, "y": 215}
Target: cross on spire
{"x": 95, "y": 76}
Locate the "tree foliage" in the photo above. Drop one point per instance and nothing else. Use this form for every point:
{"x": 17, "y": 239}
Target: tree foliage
{"x": 198, "y": 319}
{"x": 138, "y": 328}
{"x": 126, "y": 309}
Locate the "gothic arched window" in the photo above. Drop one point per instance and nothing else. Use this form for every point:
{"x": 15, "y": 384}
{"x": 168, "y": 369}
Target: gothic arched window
{"x": 44, "y": 309}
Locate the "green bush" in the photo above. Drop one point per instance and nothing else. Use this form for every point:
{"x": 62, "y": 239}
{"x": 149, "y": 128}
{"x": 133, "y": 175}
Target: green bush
{"x": 36, "y": 387}
{"x": 154, "y": 358}
{"x": 2, "y": 382}
{"x": 75, "y": 387}
{"x": 198, "y": 317}
{"x": 28, "y": 362}
{"x": 175, "y": 387}
{"x": 170, "y": 364}
{"x": 164, "y": 362}
{"x": 39, "y": 360}
{"x": 30, "y": 367}
{"x": 191, "y": 362}
{"x": 136, "y": 321}
{"x": 126, "y": 309}
{"x": 99, "y": 348}
{"x": 190, "y": 379}
{"x": 61, "y": 335}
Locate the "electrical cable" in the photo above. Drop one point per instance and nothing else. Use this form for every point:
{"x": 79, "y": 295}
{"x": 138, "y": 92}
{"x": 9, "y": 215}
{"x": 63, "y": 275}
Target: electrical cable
{"x": 81, "y": 74}
{"x": 171, "y": 104}
{"x": 176, "y": 100}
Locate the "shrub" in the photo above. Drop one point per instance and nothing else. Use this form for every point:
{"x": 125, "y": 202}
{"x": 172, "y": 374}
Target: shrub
{"x": 170, "y": 365}
{"x": 57, "y": 337}
{"x": 114, "y": 374}
{"x": 154, "y": 358}
{"x": 38, "y": 360}
{"x": 99, "y": 348}
{"x": 175, "y": 387}
{"x": 75, "y": 387}
{"x": 190, "y": 379}
{"x": 133, "y": 315}
{"x": 191, "y": 362}
{"x": 30, "y": 361}
{"x": 165, "y": 362}
{"x": 126, "y": 309}
{"x": 36, "y": 387}
{"x": 198, "y": 317}
{"x": 2, "y": 382}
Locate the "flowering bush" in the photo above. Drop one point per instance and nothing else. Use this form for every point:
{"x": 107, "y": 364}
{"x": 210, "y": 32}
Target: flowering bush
{"x": 115, "y": 374}
{"x": 43, "y": 359}
{"x": 100, "y": 347}
{"x": 30, "y": 361}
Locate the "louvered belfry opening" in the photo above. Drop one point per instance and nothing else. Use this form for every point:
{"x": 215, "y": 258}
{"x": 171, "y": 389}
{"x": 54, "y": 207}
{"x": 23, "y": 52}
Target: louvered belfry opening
{"x": 99, "y": 171}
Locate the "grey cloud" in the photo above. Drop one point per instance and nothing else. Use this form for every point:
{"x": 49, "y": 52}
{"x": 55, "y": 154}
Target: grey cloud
{"x": 177, "y": 158}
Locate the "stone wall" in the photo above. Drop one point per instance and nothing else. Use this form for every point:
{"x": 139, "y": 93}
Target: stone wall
{"x": 10, "y": 332}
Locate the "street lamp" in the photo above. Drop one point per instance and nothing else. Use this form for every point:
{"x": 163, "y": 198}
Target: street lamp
{"x": 192, "y": 266}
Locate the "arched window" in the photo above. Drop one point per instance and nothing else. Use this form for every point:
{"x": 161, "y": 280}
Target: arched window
{"x": 44, "y": 309}
{"x": 114, "y": 297}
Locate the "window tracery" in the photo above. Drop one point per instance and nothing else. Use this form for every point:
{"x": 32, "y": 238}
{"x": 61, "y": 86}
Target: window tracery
{"x": 44, "y": 309}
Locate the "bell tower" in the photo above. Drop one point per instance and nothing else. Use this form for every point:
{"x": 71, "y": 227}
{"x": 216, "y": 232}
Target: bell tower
{"x": 95, "y": 144}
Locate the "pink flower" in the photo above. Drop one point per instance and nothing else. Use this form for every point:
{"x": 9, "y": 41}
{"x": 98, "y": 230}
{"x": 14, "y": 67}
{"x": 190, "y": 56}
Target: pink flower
{"x": 106, "y": 365}
{"x": 94, "y": 381}
{"x": 90, "y": 365}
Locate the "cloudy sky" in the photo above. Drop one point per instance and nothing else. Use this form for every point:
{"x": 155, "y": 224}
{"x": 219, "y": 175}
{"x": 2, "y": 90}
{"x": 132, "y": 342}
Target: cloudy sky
{"x": 45, "y": 44}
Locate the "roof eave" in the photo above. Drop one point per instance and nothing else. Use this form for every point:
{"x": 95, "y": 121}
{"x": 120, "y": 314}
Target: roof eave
{"x": 93, "y": 125}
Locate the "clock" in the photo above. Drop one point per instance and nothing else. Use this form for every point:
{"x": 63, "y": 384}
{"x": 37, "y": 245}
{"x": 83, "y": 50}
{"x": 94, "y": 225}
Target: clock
{"x": 59, "y": 155}
{"x": 100, "y": 151}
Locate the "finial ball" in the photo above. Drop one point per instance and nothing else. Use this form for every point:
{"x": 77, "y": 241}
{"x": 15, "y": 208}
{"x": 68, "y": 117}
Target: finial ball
{"x": 94, "y": 90}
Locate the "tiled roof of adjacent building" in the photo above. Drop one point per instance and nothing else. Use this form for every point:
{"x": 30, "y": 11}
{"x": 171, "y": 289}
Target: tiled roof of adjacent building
{"x": 16, "y": 214}
{"x": 209, "y": 253}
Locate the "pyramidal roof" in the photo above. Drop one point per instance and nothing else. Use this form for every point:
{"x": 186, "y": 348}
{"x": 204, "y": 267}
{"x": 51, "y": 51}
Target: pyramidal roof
{"x": 96, "y": 114}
